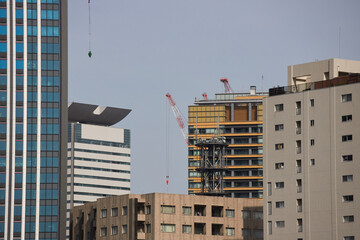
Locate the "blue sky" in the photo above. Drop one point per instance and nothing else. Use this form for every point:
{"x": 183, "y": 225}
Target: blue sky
{"x": 144, "y": 49}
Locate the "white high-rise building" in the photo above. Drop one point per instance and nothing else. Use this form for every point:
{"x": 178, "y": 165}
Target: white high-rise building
{"x": 98, "y": 154}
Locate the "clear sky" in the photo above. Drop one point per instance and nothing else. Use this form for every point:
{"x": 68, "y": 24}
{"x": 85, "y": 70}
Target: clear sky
{"x": 144, "y": 49}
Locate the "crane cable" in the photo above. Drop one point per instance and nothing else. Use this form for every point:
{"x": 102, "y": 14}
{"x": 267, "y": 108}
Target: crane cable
{"x": 89, "y": 53}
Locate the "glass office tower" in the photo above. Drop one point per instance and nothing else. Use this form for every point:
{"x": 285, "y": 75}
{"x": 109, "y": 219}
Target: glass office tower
{"x": 33, "y": 118}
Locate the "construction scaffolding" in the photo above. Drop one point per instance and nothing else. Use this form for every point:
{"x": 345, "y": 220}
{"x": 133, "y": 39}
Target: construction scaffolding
{"x": 212, "y": 166}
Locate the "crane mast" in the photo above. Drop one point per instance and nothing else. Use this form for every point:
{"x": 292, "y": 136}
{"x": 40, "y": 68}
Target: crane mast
{"x": 226, "y": 85}
{"x": 179, "y": 118}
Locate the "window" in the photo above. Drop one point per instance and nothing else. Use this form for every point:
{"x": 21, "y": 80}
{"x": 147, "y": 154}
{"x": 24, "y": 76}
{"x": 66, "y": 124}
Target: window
{"x": 346, "y": 118}
{"x": 298, "y": 166}
{"x": 148, "y": 209}
{"x": 312, "y": 103}
{"x": 298, "y": 146}
{"x": 230, "y": 231}
{"x": 312, "y": 142}
{"x": 269, "y": 227}
{"x": 279, "y": 185}
{"x": 300, "y": 224}
{"x": 114, "y": 230}
{"x": 298, "y": 108}
{"x": 349, "y": 238}
{"x": 269, "y": 188}
{"x": 124, "y": 210}
{"x": 279, "y": 107}
{"x": 114, "y": 212}
{"x": 347, "y": 178}
{"x": 246, "y": 214}
{"x": 299, "y": 185}
{"x": 186, "y": 210}
{"x": 279, "y": 165}
{"x": 279, "y": 127}
{"x": 168, "y": 228}
{"x": 298, "y": 127}
{"x": 280, "y": 224}
{"x": 269, "y": 206}
{"x": 346, "y": 97}
{"x": 103, "y": 231}
{"x": 230, "y": 213}
{"x": 148, "y": 228}
{"x": 103, "y": 213}
{"x": 347, "y": 138}
{"x": 245, "y": 232}
{"x": 299, "y": 205}
{"x": 347, "y": 158}
{"x": 167, "y": 209}
{"x": 280, "y": 204}
{"x": 312, "y": 162}
{"x": 258, "y": 215}
{"x": 258, "y": 233}
{"x": 349, "y": 218}
{"x": 124, "y": 229}
{"x": 348, "y": 198}
{"x": 312, "y": 123}
{"x": 186, "y": 228}
{"x": 199, "y": 210}
{"x": 279, "y": 146}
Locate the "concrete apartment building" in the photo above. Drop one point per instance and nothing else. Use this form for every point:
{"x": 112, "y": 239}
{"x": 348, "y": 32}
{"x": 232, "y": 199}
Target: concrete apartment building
{"x": 167, "y": 216}
{"x": 311, "y": 152}
{"x": 238, "y": 116}
{"x": 98, "y": 154}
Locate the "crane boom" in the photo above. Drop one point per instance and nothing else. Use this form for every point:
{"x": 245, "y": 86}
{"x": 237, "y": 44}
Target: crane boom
{"x": 179, "y": 118}
{"x": 226, "y": 85}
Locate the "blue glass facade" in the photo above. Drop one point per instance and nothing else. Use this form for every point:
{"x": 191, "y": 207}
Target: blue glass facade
{"x": 32, "y": 115}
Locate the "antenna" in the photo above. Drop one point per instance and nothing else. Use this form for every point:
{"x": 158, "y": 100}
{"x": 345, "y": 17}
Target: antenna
{"x": 339, "y": 40}
{"x": 262, "y": 83}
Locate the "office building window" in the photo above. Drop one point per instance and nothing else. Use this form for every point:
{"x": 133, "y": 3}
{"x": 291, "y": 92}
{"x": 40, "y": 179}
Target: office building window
{"x": 148, "y": 228}
{"x": 346, "y": 97}
{"x": 230, "y": 231}
{"x": 312, "y": 102}
{"x": 279, "y": 127}
{"x": 312, "y": 162}
{"x": 298, "y": 166}
{"x": 186, "y": 229}
{"x": 349, "y": 238}
{"x": 347, "y": 158}
{"x": 280, "y": 224}
{"x": 279, "y": 165}
{"x": 230, "y": 213}
{"x": 124, "y": 229}
{"x": 103, "y": 231}
{"x": 167, "y": 209}
{"x": 348, "y": 198}
{"x": 299, "y": 185}
{"x": 279, "y": 146}
{"x": 280, "y": 204}
{"x": 114, "y": 212}
{"x": 298, "y": 146}
{"x": 347, "y": 178}
{"x": 186, "y": 210}
{"x": 124, "y": 210}
{"x": 349, "y": 218}
{"x": 347, "y": 138}
{"x": 114, "y": 230}
{"x": 346, "y": 118}
{"x": 269, "y": 227}
{"x": 298, "y": 108}
{"x": 279, "y": 185}
{"x": 279, "y": 107}
{"x": 300, "y": 224}
{"x": 312, "y": 123}
{"x": 168, "y": 228}
{"x": 312, "y": 142}
{"x": 148, "y": 209}
{"x": 103, "y": 213}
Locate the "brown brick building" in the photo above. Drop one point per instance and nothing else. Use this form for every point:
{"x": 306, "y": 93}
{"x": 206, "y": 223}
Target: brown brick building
{"x": 167, "y": 216}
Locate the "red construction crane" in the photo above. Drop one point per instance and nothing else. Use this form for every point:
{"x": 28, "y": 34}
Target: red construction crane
{"x": 226, "y": 85}
{"x": 179, "y": 118}
{"x": 205, "y": 96}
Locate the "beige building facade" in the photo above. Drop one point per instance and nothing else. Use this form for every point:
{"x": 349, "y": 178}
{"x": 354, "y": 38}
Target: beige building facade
{"x": 311, "y": 152}
{"x": 168, "y": 216}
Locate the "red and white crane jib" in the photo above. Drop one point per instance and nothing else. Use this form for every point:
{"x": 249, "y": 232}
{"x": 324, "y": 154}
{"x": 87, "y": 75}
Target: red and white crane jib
{"x": 179, "y": 118}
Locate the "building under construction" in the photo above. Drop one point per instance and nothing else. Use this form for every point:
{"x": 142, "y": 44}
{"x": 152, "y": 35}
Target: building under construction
{"x": 237, "y": 119}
